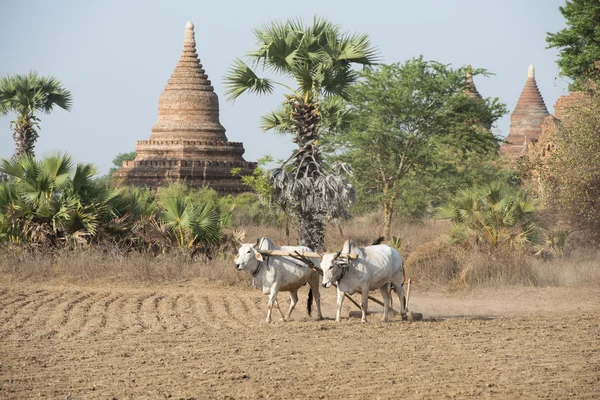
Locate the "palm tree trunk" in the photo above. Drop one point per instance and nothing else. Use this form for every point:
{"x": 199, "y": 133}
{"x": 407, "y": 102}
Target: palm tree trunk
{"x": 25, "y": 134}
{"x": 311, "y": 230}
{"x": 306, "y": 121}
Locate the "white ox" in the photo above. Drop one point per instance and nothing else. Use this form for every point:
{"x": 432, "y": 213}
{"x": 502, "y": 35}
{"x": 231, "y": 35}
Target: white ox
{"x": 375, "y": 267}
{"x": 274, "y": 274}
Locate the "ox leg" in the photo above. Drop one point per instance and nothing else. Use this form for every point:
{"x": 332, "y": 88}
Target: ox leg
{"x": 293, "y": 302}
{"x": 279, "y": 308}
{"x": 314, "y": 285}
{"x": 272, "y": 299}
{"x": 340, "y": 301}
{"x": 399, "y": 289}
{"x": 386, "y": 302}
{"x": 364, "y": 304}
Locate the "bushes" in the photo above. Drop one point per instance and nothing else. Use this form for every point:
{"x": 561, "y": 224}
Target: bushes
{"x": 493, "y": 216}
{"x": 568, "y": 169}
{"x": 248, "y": 209}
{"x": 52, "y": 202}
{"x": 439, "y": 262}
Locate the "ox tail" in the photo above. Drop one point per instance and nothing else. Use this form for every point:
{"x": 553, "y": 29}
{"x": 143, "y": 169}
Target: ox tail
{"x": 309, "y": 302}
{"x": 403, "y": 272}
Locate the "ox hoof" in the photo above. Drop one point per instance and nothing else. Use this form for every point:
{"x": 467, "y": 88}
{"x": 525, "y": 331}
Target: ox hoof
{"x": 404, "y": 317}
{"x": 364, "y": 321}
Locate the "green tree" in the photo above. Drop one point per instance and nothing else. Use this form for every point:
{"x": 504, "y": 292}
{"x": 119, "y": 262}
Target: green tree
{"x": 493, "y": 216}
{"x": 26, "y": 95}
{"x": 579, "y": 42}
{"x": 260, "y": 183}
{"x": 318, "y": 59}
{"x": 118, "y": 160}
{"x": 411, "y": 122}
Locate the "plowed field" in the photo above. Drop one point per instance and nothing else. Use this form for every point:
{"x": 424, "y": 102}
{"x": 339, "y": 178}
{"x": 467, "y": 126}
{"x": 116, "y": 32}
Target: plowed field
{"x": 195, "y": 340}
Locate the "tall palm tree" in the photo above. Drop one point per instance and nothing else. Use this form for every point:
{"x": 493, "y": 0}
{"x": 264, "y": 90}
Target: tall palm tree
{"x": 25, "y": 95}
{"x": 318, "y": 59}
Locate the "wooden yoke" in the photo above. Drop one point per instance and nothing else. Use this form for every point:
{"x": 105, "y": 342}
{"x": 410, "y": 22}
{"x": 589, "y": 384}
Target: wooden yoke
{"x": 308, "y": 254}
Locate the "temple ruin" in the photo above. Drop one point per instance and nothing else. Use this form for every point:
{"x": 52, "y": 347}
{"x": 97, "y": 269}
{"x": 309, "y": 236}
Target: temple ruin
{"x": 526, "y": 120}
{"x": 472, "y": 92}
{"x": 188, "y": 143}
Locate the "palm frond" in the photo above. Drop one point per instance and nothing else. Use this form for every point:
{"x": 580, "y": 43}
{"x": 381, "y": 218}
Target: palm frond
{"x": 240, "y": 78}
{"x": 279, "y": 121}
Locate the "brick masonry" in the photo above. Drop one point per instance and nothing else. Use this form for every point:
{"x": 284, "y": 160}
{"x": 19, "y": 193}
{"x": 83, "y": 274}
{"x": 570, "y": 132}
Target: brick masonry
{"x": 188, "y": 143}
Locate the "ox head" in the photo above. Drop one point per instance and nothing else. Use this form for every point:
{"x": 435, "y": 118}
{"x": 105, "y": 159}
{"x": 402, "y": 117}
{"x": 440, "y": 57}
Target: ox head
{"x": 332, "y": 266}
{"x": 246, "y": 254}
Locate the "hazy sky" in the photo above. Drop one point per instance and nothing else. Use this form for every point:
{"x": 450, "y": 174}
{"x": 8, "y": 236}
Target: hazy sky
{"x": 116, "y": 57}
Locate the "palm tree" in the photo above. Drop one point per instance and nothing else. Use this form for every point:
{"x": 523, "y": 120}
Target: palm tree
{"x": 191, "y": 224}
{"x": 319, "y": 60}
{"x": 52, "y": 200}
{"x": 493, "y": 216}
{"x": 26, "y": 95}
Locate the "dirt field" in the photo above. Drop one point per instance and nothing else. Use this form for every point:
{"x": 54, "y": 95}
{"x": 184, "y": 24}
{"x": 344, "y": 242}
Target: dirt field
{"x": 194, "y": 340}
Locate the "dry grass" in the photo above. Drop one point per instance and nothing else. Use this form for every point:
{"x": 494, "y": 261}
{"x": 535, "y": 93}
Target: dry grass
{"x": 430, "y": 261}
{"x": 439, "y": 263}
{"x": 94, "y": 263}
{"x": 580, "y": 268}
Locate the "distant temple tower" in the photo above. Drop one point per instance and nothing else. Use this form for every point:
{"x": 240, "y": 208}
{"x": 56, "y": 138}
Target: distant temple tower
{"x": 188, "y": 143}
{"x": 471, "y": 91}
{"x": 527, "y": 118}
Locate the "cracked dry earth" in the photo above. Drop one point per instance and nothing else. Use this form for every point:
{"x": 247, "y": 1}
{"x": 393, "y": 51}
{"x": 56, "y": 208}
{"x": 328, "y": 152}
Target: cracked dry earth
{"x": 194, "y": 340}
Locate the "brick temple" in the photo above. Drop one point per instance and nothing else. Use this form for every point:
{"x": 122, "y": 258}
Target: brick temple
{"x": 188, "y": 143}
{"x": 526, "y": 120}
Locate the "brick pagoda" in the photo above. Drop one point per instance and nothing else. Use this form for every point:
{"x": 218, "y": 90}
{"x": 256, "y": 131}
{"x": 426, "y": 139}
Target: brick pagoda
{"x": 526, "y": 120}
{"x": 472, "y": 92}
{"x": 188, "y": 143}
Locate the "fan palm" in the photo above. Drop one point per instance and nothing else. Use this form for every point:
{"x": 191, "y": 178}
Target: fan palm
{"x": 492, "y": 216}
{"x": 191, "y": 224}
{"x": 55, "y": 195}
{"x": 25, "y": 95}
{"x": 318, "y": 59}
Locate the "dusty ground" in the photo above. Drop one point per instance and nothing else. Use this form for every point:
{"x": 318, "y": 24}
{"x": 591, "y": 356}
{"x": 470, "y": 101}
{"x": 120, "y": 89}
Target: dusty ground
{"x": 194, "y": 340}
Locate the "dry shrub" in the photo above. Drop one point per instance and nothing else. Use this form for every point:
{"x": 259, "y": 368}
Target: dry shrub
{"x": 365, "y": 229}
{"x": 505, "y": 266}
{"x": 438, "y": 262}
{"x": 277, "y": 235}
{"x": 432, "y": 263}
{"x": 580, "y": 268}
{"x": 109, "y": 264}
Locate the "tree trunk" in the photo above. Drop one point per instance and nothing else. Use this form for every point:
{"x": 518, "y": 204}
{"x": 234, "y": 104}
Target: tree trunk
{"x": 311, "y": 230}
{"x": 25, "y": 135}
{"x": 388, "y": 211}
{"x": 306, "y": 120}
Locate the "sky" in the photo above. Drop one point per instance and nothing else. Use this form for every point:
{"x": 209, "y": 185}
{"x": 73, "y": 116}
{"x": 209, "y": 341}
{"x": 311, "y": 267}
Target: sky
{"x": 116, "y": 56}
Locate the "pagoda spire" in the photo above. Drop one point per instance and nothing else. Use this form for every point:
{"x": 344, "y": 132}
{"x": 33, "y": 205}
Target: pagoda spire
{"x": 527, "y": 118}
{"x": 189, "y": 107}
{"x": 471, "y": 90}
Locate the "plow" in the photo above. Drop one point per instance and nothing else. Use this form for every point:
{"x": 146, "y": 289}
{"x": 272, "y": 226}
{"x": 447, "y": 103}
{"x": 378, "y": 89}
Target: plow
{"x": 305, "y": 257}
